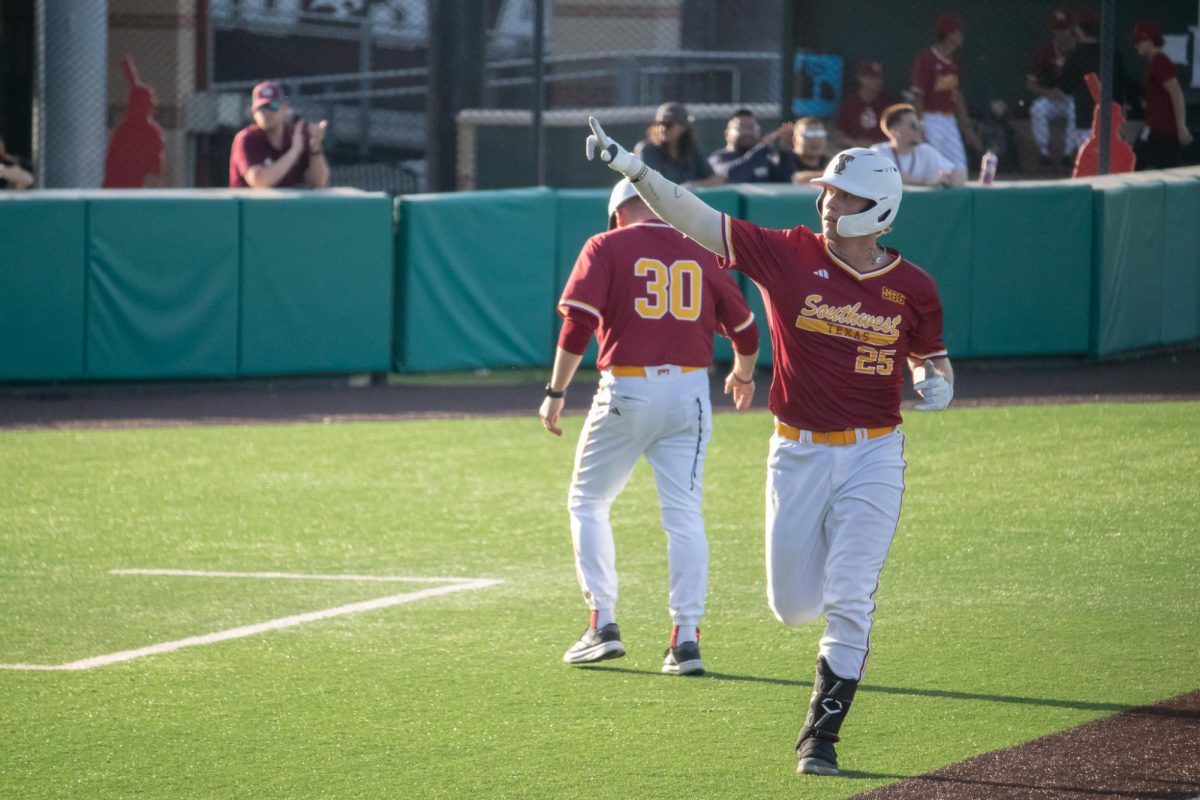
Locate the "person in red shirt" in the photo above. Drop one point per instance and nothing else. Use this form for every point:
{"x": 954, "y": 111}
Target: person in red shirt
{"x": 1043, "y": 80}
{"x": 653, "y": 299}
{"x": 846, "y": 315}
{"x": 937, "y": 93}
{"x": 275, "y": 152}
{"x": 1166, "y": 133}
{"x": 859, "y": 114}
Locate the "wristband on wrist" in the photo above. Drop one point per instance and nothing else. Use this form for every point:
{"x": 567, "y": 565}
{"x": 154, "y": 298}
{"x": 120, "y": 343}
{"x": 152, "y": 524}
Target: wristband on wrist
{"x": 739, "y": 380}
{"x": 553, "y": 395}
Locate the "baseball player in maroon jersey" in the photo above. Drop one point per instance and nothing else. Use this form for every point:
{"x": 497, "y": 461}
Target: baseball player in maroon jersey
{"x": 845, "y": 316}
{"x": 653, "y": 299}
{"x": 937, "y": 93}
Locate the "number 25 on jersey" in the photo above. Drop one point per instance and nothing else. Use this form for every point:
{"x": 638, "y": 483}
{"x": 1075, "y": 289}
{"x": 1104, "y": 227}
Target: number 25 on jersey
{"x": 676, "y": 289}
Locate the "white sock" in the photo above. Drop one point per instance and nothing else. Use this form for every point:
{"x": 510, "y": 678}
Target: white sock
{"x": 686, "y": 633}
{"x": 604, "y": 616}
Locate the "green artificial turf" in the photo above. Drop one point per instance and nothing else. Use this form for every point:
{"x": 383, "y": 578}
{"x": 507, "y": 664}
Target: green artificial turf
{"x": 1044, "y": 575}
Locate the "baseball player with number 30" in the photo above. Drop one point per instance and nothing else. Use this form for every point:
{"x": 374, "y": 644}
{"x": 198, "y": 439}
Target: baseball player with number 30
{"x": 845, "y": 315}
{"x": 654, "y": 300}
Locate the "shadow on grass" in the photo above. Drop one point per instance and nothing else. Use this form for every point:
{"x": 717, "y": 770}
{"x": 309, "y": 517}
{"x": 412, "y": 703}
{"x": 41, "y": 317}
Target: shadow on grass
{"x": 1080, "y": 705}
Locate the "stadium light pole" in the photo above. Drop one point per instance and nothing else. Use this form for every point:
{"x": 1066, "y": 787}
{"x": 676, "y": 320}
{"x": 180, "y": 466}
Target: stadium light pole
{"x": 1108, "y": 13}
{"x": 538, "y": 89}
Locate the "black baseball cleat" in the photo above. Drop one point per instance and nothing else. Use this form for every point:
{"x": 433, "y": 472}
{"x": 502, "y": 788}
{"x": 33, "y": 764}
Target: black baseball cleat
{"x": 817, "y": 757}
{"x": 683, "y": 659}
{"x": 596, "y": 645}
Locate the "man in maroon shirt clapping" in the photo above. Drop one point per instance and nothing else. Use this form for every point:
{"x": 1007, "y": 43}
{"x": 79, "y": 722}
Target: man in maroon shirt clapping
{"x": 274, "y": 152}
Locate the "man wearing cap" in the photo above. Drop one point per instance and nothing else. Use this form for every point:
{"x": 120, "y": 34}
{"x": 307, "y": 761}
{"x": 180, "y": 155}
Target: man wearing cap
{"x": 274, "y": 152}
{"x": 750, "y": 157}
{"x": 859, "y": 114}
{"x": 1044, "y": 82}
{"x": 937, "y": 93}
{"x": 671, "y": 147}
{"x": 654, "y": 299}
{"x": 1166, "y": 133}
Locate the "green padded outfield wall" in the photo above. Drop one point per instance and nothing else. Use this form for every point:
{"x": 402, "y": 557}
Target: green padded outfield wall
{"x": 477, "y": 275}
{"x": 316, "y": 283}
{"x": 162, "y": 291}
{"x": 1128, "y": 278}
{"x": 42, "y": 269}
{"x": 1031, "y": 270}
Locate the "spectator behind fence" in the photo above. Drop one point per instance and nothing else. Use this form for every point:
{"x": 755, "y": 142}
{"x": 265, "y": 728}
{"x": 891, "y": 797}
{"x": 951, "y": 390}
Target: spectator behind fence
{"x": 276, "y": 152}
{"x": 1084, "y": 58}
{"x": 810, "y": 150}
{"x": 1161, "y": 143}
{"x": 138, "y": 144}
{"x": 670, "y": 147}
{"x": 1044, "y": 82}
{"x": 937, "y": 93}
{"x": 859, "y": 114}
{"x": 748, "y": 156}
{"x": 12, "y": 174}
{"x": 920, "y": 164}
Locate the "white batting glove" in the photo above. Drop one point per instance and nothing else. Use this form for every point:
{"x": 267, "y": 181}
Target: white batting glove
{"x": 935, "y": 391}
{"x": 611, "y": 153}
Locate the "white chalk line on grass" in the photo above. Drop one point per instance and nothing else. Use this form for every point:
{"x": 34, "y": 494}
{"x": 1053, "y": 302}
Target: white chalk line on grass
{"x": 460, "y": 585}
{"x": 289, "y": 576}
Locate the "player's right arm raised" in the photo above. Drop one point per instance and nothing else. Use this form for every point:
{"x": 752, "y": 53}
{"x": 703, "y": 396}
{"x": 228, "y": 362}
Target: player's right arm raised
{"x": 675, "y": 205}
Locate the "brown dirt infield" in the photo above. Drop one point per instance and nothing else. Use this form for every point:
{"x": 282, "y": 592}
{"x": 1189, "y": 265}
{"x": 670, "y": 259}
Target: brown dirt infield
{"x": 1146, "y": 753}
{"x": 1151, "y": 752}
{"x": 1155, "y": 377}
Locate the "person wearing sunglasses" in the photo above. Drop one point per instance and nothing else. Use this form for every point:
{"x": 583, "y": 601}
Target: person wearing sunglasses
{"x": 671, "y": 148}
{"x": 276, "y": 152}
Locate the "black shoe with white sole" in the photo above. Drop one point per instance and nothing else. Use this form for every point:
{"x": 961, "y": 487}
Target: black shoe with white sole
{"x": 817, "y": 757}
{"x": 683, "y": 659}
{"x": 596, "y": 645}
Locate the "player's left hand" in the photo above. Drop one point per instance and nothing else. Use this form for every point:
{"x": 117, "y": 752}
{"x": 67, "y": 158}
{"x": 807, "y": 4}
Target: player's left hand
{"x": 743, "y": 393}
{"x": 936, "y": 392}
{"x": 611, "y": 153}
{"x": 550, "y": 411}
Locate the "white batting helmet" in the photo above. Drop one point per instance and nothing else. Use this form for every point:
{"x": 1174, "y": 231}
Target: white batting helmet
{"x": 621, "y": 193}
{"x": 870, "y": 175}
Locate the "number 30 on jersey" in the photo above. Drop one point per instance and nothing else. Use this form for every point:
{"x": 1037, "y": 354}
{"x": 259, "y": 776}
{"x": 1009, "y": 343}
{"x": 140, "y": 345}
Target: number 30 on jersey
{"x": 677, "y": 289}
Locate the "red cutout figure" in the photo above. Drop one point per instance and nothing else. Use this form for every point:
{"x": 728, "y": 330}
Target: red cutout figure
{"x": 138, "y": 143}
{"x": 1120, "y": 154}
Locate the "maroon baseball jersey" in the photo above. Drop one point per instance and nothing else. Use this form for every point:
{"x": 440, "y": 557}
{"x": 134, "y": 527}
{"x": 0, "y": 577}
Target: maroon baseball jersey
{"x": 656, "y": 295}
{"x": 859, "y": 119}
{"x": 1046, "y": 64}
{"x": 840, "y": 338}
{"x": 252, "y": 148}
{"x": 1160, "y": 111}
{"x": 936, "y": 78}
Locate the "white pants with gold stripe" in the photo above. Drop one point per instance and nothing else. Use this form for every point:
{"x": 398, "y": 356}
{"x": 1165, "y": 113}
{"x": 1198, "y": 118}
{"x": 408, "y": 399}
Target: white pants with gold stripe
{"x": 667, "y": 417}
{"x": 831, "y": 515}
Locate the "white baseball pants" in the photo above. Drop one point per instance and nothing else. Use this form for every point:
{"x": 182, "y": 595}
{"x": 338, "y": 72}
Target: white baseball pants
{"x": 831, "y": 515}
{"x": 1042, "y": 112}
{"x": 666, "y": 416}
{"x": 941, "y": 131}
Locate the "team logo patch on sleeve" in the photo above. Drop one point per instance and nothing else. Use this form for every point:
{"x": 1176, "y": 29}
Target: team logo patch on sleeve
{"x": 894, "y": 296}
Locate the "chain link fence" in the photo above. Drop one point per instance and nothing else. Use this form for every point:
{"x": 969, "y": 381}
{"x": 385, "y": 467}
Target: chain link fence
{"x": 444, "y": 94}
